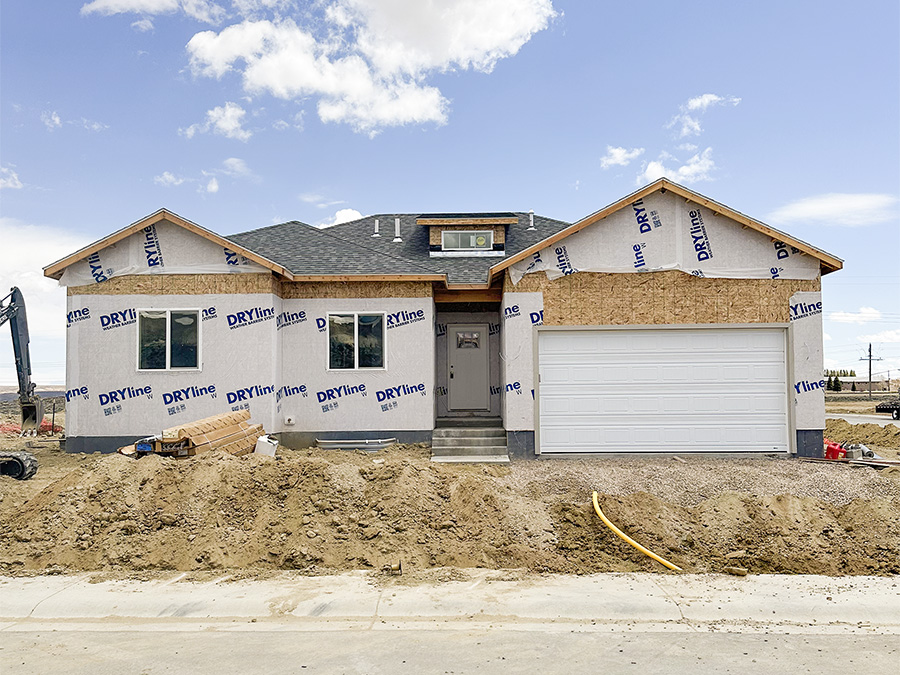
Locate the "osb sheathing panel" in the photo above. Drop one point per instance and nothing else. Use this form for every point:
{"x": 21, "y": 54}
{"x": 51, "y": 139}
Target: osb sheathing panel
{"x": 181, "y": 284}
{"x": 434, "y": 235}
{"x": 355, "y": 289}
{"x": 595, "y": 299}
{"x": 220, "y": 284}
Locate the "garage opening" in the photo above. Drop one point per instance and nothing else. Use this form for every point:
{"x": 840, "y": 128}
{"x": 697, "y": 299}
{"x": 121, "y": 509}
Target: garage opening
{"x": 697, "y": 389}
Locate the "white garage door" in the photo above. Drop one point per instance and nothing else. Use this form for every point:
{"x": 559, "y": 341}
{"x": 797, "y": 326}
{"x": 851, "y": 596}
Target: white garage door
{"x": 663, "y": 390}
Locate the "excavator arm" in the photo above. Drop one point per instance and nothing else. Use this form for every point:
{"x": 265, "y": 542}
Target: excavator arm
{"x": 12, "y": 309}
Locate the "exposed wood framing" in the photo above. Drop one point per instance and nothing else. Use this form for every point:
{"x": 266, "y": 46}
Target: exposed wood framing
{"x": 478, "y": 295}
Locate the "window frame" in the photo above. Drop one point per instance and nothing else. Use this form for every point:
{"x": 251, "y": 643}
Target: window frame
{"x": 356, "y": 367}
{"x": 489, "y": 247}
{"x": 169, "y": 369}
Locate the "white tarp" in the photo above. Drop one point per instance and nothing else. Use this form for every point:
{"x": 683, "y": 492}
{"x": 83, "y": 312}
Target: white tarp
{"x": 161, "y": 248}
{"x": 257, "y": 352}
{"x": 808, "y": 383}
{"x": 665, "y": 232}
{"x": 519, "y": 313}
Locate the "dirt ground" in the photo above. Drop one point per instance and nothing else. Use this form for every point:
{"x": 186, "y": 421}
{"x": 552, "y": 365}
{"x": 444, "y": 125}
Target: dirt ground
{"x": 325, "y": 511}
{"x": 856, "y": 402}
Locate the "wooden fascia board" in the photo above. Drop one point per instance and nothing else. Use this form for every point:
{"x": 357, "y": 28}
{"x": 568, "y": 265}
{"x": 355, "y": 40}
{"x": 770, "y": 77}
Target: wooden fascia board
{"x": 55, "y": 270}
{"x": 467, "y": 221}
{"x": 830, "y": 262}
{"x": 471, "y": 295}
{"x": 368, "y": 277}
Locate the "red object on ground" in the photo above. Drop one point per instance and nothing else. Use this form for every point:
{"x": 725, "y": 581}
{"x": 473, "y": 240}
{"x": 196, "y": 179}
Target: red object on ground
{"x": 834, "y": 450}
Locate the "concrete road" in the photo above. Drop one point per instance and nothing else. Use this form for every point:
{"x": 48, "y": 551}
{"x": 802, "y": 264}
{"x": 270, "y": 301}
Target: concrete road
{"x": 879, "y": 419}
{"x": 481, "y": 622}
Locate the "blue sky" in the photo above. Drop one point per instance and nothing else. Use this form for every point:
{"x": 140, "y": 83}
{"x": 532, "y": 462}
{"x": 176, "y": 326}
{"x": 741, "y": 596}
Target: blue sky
{"x": 237, "y": 114}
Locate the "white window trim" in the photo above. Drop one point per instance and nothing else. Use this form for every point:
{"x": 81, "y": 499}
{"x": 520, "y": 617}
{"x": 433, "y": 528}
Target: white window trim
{"x": 356, "y": 367}
{"x": 168, "y": 368}
{"x": 490, "y": 234}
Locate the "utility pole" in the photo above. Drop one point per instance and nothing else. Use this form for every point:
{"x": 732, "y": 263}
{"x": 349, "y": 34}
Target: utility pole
{"x": 870, "y": 359}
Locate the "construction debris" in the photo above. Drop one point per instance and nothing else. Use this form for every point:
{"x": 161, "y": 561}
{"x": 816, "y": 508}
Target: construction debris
{"x": 736, "y": 571}
{"x": 231, "y": 432}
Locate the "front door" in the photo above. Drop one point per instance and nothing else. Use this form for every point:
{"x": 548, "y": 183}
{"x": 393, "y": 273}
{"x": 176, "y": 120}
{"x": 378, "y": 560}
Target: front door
{"x": 469, "y": 376}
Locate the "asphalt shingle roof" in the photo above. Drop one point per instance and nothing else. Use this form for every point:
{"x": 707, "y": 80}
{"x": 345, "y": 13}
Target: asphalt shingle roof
{"x": 350, "y": 248}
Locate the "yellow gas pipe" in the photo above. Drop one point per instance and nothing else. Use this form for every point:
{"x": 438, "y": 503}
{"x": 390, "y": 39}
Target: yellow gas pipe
{"x": 624, "y": 537}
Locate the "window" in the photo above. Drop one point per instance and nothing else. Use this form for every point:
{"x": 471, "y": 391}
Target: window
{"x": 168, "y": 339}
{"x": 355, "y": 341}
{"x": 466, "y": 240}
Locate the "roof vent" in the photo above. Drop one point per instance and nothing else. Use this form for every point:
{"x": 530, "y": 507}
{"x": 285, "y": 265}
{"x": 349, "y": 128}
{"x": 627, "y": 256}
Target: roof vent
{"x": 531, "y": 227}
{"x": 397, "y": 230}
{"x": 376, "y": 229}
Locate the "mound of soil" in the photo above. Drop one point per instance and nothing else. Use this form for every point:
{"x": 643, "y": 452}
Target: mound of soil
{"x": 322, "y": 511}
{"x": 885, "y": 437}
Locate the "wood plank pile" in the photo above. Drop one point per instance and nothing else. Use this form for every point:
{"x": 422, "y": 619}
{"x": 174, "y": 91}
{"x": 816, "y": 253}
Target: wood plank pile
{"x": 231, "y": 432}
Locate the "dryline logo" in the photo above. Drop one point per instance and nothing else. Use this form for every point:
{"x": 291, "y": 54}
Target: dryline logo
{"x": 404, "y": 318}
{"x": 248, "y": 317}
{"x": 640, "y": 215}
{"x": 96, "y": 266}
{"x": 562, "y": 261}
{"x": 340, "y": 392}
{"x": 289, "y": 319}
{"x": 208, "y": 314}
{"x": 440, "y": 329}
{"x": 782, "y": 250}
{"x": 802, "y": 310}
{"x": 399, "y": 391}
{"x": 639, "y": 261}
{"x": 288, "y": 391}
{"x": 805, "y": 386}
{"x": 699, "y": 237}
{"x": 77, "y": 315}
{"x": 537, "y": 318}
{"x": 249, "y": 393}
{"x": 232, "y": 258}
{"x": 118, "y": 319}
{"x": 124, "y": 394}
{"x": 511, "y": 311}
{"x": 77, "y": 392}
{"x": 152, "y": 250}
{"x": 186, "y": 394}
{"x": 321, "y": 324}
{"x": 535, "y": 261}
{"x": 493, "y": 329}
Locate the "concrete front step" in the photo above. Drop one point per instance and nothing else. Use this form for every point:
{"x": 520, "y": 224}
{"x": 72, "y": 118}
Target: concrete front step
{"x": 470, "y": 450}
{"x": 458, "y": 441}
{"x": 469, "y": 432}
{"x": 471, "y": 459}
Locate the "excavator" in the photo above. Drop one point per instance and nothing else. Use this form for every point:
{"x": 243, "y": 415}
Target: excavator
{"x": 21, "y": 465}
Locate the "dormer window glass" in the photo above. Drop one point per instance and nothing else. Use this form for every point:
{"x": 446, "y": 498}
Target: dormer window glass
{"x": 467, "y": 240}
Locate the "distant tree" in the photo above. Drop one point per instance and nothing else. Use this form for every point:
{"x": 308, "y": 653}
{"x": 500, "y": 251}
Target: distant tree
{"x": 837, "y": 383}
{"x": 830, "y": 385}
{"x": 853, "y": 387}
{"x": 852, "y": 373}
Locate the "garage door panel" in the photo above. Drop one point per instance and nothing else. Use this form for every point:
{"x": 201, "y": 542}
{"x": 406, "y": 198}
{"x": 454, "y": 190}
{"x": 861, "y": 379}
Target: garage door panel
{"x": 663, "y": 390}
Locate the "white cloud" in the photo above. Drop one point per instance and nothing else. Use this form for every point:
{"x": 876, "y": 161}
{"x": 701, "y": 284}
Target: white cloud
{"x": 90, "y": 125}
{"x": 687, "y": 120}
{"x": 864, "y": 315}
{"x": 698, "y": 168}
{"x": 212, "y": 186}
{"x": 320, "y": 201}
{"x": 143, "y": 25}
{"x": 51, "y": 120}
{"x": 236, "y": 167}
{"x": 826, "y": 337}
{"x": 168, "y": 179}
{"x": 619, "y": 156}
{"x": 45, "y": 300}
{"x": 202, "y": 10}
{"x": 342, "y": 216}
{"x": 883, "y": 336}
{"x": 9, "y": 180}
{"x": 224, "y": 120}
{"x": 849, "y": 210}
{"x": 366, "y": 61}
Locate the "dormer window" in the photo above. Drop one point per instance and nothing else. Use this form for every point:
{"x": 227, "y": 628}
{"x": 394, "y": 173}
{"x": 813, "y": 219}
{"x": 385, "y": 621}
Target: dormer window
{"x": 467, "y": 240}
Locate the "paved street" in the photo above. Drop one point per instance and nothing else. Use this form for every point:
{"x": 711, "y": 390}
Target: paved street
{"x": 481, "y": 622}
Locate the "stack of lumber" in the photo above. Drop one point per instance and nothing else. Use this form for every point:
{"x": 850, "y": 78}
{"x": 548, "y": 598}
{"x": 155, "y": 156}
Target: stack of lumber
{"x": 231, "y": 432}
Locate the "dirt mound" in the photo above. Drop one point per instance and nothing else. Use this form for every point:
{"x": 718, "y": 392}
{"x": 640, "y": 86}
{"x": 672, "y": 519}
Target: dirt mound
{"x": 842, "y": 431}
{"x": 320, "y": 511}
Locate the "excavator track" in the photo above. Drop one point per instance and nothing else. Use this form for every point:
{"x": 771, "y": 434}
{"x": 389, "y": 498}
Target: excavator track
{"x": 19, "y": 465}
